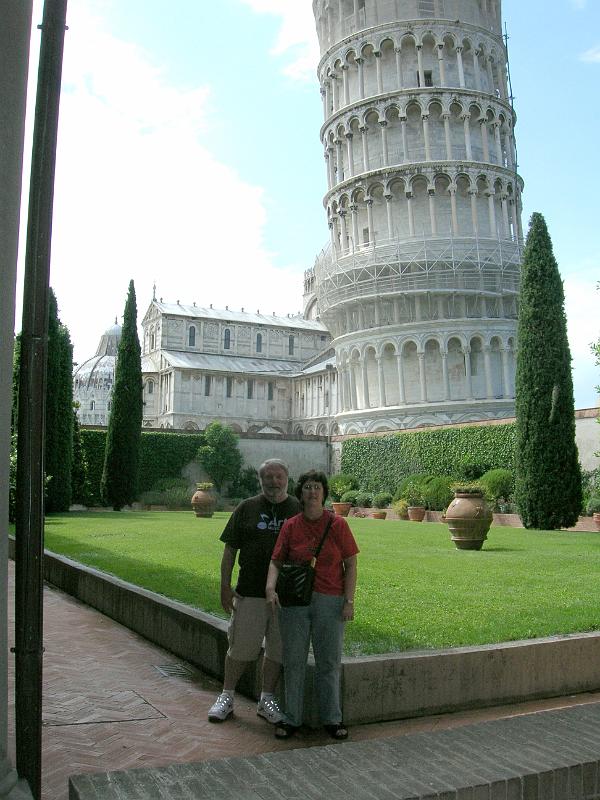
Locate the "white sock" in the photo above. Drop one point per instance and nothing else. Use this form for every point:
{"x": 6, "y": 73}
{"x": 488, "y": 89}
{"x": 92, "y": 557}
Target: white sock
{"x": 266, "y": 695}
{"x": 230, "y": 692}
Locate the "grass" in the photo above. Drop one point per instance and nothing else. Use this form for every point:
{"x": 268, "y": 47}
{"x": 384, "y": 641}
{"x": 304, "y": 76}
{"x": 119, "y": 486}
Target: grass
{"x": 415, "y": 589}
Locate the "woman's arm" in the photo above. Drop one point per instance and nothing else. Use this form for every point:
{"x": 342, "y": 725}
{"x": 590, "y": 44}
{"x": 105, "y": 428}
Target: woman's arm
{"x": 270, "y": 592}
{"x": 350, "y": 573}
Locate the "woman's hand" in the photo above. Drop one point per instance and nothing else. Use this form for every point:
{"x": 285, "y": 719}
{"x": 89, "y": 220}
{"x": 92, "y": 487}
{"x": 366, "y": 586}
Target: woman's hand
{"x": 348, "y": 611}
{"x": 272, "y": 598}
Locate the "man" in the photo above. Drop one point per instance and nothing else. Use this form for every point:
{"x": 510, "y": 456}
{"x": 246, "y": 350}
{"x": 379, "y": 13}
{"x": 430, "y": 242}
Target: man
{"x": 252, "y": 531}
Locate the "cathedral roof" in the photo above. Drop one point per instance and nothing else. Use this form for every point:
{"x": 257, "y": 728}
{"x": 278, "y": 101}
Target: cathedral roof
{"x": 296, "y": 322}
{"x": 217, "y": 363}
{"x": 100, "y": 369}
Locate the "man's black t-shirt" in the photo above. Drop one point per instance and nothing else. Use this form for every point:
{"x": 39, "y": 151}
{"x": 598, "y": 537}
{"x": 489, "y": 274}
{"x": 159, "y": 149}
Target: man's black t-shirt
{"x": 253, "y": 529}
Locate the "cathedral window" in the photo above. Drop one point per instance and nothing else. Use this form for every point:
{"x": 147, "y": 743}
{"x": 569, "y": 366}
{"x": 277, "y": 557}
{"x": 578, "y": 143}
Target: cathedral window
{"x": 92, "y": 405}
{"x": 229, "y": 387}
{"x": 259, "y": 342}
{"x": 270, "y": 390}
{"x": 207, "y": 382}
{"x": 192, "y": 336}
{"x": 150, "y": 387}
{"x": 426, "y": 8}
{"x": 227, "y": 339}
{"x": 250, "y": 393}
{"x": 291, "y": 345}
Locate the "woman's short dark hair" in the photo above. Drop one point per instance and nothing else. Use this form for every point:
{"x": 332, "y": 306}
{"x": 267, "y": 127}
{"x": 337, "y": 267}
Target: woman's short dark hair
{"x": 315, "y": 476}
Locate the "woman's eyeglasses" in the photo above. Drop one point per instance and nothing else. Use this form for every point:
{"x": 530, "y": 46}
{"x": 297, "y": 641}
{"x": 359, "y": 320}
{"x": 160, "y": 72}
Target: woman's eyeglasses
{"x": 309, "y": 486}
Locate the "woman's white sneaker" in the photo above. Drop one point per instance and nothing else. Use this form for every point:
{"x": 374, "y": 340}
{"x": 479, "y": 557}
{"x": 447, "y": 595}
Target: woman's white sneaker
{"x": 221, "y": 709}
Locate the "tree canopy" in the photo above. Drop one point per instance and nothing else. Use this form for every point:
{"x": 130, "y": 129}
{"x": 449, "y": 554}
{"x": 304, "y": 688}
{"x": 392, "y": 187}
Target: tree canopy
{"x": 548, "y": 474}
{"x": 220, "y": 455}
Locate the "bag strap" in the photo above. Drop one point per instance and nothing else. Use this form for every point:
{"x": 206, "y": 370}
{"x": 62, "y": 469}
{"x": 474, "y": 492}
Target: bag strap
{"x": 325, "y": 532}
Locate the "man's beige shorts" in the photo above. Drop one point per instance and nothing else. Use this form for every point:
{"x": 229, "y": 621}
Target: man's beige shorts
{"x": 253, "y": 621}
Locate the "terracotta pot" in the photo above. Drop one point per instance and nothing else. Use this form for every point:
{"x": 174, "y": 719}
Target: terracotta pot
{"x": 342, "y": 509}
{"x": 416, "y": 513}
{"x": 203, "y": 503}
{"x": 379, "y": 514}
{"x": 469, "y": 518}
{"x": 596, "y": 516}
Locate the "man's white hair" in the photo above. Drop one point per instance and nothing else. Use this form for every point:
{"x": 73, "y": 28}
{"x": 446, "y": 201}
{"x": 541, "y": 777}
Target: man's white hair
{"x": 273, "y": 462}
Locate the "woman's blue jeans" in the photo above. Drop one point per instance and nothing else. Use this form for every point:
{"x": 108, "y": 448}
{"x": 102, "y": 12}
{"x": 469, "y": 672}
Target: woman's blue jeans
{"x": 322, "y": 622}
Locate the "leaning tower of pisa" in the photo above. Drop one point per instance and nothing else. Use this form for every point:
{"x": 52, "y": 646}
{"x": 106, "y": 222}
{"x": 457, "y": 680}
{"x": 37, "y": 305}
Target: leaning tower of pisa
{"x": 418, "y": 284}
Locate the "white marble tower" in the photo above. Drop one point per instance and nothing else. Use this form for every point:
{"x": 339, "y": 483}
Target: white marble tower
{"x": 419, "y": 282}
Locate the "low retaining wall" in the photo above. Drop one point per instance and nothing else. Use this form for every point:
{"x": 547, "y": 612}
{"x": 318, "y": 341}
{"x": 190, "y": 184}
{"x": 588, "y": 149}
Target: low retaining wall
{"x": 374, "y": 688}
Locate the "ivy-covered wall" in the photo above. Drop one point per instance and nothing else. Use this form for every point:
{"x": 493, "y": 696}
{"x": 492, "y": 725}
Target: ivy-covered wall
{"x": 162, "y": 455}
{"x": 379, "y": 463}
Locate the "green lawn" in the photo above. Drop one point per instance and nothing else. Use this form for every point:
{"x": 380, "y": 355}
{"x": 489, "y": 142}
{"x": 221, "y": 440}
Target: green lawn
{"x": 415, "y": 589}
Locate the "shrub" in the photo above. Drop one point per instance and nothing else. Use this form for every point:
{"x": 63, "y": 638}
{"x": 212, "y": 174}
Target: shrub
{"x": 349, "y": 497}
{"x": 590, "y": 484}
{"x": 497, "y": 484}
{"x": 437, "y": 493}
{"x": 382, "y": 499}
{"x": 401, "y": 508}
{"x": 364, "y": 499}
{"x": 340, "y": 483}
{"x": 247, "y": 483}
{"x": 417, "y": 477}
{"x": 593, "y": 505}
{"x": 169, "y": 492}
{"x": 414, "y": 493}
{"x": 469, "y": 468}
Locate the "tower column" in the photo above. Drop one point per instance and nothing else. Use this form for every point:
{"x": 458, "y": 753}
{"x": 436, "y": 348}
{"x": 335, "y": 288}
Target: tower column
{"x": 441, "y": 64}
{"x": 384, "y": 142}
{"x": 489, "y": 390}
{"x": 381, "y": 377}
{"x": 411, "y": 216}
{"x": 459, "y": 64}
{"x": 496, "y": 129}
{"x": 477, "y": 69}
{"x": 505, "y": 373}
{"x": 446, "y": 118}
{"x": 467, "y": 129}
{"x": 404, "y": 138}
{"x": 388, "y": 207}
{"x": 365, "y": 147}
{"x": 355, "y": 239}
{"x": 425, "y": 119}
{"x": 361, "y": 78}
{"x": 401, "y": 392}
{"x": 445, "y": 374}
{"x": 422, "y": 378}
{"x": 468, "y": 379}
{"x": 399, "y": 75}
{"x": 353, "y": 397}
{"x": 492, "y": 212}
{"x": 345, "y": 85}
{"x": 365, "y": 384}
{"x": 452, "y": 193}
{"x": 369, "y": 203}
{"x": 420, "y": 65}
{"x": 344, "y": 232}
{"x": 377, "y": 55}
{"x": 484, "y": 139}
{"x": 432, "y": 219}
{"x": 350, "y": 155}
{"x": 474, "y": 218}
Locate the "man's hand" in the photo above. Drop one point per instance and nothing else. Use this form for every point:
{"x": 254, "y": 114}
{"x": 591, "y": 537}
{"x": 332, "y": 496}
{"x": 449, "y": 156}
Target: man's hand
{"x": 272, "y": 598}
{"x": 348, "y": 611}
{"x": 227, "y": 595}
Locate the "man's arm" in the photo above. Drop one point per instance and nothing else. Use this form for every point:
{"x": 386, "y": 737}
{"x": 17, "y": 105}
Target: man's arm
{"x": 227, "y": 564}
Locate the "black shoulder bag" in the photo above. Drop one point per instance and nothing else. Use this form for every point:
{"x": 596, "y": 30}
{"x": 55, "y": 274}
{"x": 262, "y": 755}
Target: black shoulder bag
{"x": 295, "y": 581}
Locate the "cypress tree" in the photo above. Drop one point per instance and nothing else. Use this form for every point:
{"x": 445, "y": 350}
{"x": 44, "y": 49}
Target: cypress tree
{"x": 121, "y": 457}
{"x": 548, "y": 475}
{"x": 58, "y": 453}
{"x": 79, "y": 471}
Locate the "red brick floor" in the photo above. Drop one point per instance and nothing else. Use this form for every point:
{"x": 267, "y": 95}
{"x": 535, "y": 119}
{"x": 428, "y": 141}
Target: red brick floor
{"x": 107, "y": 706}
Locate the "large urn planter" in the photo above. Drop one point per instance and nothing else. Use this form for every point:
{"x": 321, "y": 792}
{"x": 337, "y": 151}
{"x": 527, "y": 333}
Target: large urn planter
{"x": 203, "y": 500}
{"x": 341, "y": 509}
{"x": 416, "y": 513}
{"x": 379, "y": 514}
{"x": 596, "y": 516}
{"x": 469, "y": 518}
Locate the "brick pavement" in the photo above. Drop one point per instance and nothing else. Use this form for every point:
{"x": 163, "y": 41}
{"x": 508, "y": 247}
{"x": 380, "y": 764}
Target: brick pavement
{"x": 107, "y": 706}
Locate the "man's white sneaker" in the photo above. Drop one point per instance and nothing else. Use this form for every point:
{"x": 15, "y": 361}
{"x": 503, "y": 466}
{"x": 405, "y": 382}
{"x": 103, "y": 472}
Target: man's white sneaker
{"x": 269, "y": 710}
{"x": 221, "y": 709}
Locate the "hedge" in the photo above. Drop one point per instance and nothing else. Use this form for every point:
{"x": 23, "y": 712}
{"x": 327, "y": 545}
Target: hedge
{"x": 162, "y": 455}
{"x": 379, "y": 463}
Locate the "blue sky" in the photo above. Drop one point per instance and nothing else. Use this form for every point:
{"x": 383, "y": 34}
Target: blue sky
{"x": 189, "y": 156}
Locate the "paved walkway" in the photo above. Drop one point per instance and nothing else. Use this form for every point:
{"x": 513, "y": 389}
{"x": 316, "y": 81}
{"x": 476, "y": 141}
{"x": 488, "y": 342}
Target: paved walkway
{"x": 113, "y": 702}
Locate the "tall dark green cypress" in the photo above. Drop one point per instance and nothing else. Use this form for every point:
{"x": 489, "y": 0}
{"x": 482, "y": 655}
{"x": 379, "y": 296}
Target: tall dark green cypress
{"x": 121, "y": 458}
{"x": 58, "y": 453}
{"x": 548, "y": 474}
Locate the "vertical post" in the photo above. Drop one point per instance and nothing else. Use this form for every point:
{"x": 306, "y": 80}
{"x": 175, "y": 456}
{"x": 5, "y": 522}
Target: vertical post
{"x": 32, "y": 388}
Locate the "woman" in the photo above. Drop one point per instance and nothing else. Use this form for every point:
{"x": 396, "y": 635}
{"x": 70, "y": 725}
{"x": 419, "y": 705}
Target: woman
{"x": 331, "y": 606}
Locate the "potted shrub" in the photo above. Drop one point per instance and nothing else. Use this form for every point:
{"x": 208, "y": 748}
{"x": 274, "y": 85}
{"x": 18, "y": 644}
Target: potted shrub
{"x": 414, "y": 496}
{"x": 593, "y": 508}
{"x": 401, "y": 508}
{"x": 203, "y": 499}
{"x": 364, "y": 499}
{"x": 381, "y": 501}
{"x": 468, "y": 517}
{"x": 339, "y": 486}
{"x": 345, "y": 503}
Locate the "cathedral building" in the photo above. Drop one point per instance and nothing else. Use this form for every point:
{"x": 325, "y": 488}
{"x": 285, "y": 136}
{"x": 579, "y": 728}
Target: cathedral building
{"x": 410, "y": 311}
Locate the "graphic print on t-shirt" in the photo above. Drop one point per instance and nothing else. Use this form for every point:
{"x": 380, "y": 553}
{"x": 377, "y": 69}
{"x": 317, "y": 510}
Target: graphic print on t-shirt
{"x": 269, "y": 522}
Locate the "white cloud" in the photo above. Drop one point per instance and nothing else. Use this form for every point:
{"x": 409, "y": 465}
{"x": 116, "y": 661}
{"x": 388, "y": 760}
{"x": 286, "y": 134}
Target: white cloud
{"x": 591, "y": 56}
{"x": 139, "y": 196}
{"x": 297, "y": 37}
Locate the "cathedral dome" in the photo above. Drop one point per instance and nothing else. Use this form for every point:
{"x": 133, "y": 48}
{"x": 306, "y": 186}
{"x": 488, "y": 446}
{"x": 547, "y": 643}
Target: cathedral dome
{"x": 93, "y": 379}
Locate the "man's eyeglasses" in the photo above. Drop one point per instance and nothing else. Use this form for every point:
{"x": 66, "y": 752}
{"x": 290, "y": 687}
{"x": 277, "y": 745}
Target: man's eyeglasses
{"x": 309, "y": 486}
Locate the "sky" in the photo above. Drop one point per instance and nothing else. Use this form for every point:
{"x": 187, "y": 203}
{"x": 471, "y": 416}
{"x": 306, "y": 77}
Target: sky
{"x": 189, "y": 157}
